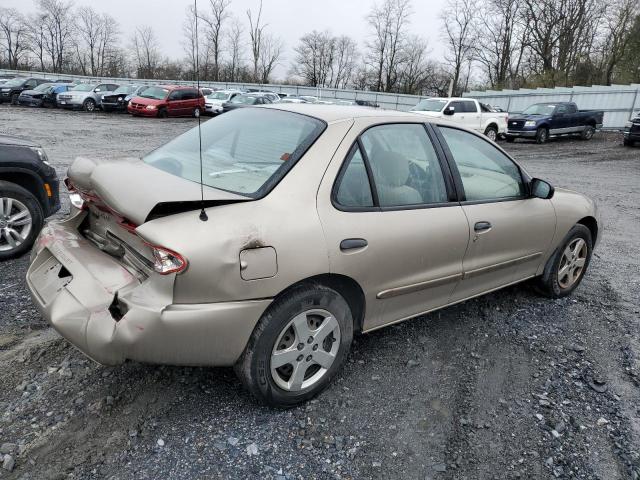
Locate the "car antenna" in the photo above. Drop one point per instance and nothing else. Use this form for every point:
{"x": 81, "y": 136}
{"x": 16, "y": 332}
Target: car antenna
{"x": 203, "y": 213}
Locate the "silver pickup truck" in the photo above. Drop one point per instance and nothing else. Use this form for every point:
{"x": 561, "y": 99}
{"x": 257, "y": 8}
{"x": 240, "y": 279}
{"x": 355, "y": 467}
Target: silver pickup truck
{"x": 86, "y": 96}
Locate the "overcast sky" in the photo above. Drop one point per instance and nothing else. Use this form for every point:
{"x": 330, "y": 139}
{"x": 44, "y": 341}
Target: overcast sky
{"x": 290, "y": 19}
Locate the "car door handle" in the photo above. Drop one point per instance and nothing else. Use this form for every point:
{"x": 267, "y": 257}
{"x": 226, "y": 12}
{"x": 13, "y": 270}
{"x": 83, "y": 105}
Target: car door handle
{"x": 482, "y": 227}
{"x": 353, "y": 244}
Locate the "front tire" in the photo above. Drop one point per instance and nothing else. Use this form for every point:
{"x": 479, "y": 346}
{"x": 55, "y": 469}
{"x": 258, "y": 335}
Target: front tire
{"x": 628, "y": 143}
{"x": 491, "y": 133}
{"x": 89, "y": 105}
{"x": 567, "y": 266}
{"x": 298, "y": 346}
{"x": 510, "y": 139}
{"x": 21, "y": 219}
{"x": 14, "y": 99}
{"x": 542, "y": 135}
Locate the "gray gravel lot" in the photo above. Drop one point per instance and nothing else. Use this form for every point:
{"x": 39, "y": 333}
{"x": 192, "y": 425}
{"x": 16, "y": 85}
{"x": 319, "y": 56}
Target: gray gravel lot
{"x": 510, "y": 385}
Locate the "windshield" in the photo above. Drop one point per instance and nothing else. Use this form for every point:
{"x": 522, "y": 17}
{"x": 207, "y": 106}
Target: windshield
{"x": 43, "y": 87}
{"x": 156, "y": 93}
{"x": 430, "y": 105}
{"x": 84, "y": 87}
{"x": 14, "y": 83}
{"x": 244, "y": 100}
{"x": 218, "y": 96}
{"x": 125, "y": 89}
{"x": 540, "y": 109}
{"x": 246, "y": 151}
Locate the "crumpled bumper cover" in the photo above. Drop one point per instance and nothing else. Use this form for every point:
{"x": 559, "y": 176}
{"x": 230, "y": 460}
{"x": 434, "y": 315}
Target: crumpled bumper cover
{"x": 152, "y": 329}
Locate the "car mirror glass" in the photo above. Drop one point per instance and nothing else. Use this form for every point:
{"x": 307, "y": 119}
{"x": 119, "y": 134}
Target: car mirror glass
{"x": 541, "y": 189}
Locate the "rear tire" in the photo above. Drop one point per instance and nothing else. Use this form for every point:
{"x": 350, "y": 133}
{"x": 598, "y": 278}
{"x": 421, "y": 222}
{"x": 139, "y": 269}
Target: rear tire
{"x": 564, "y": 272}
{"x": 22, "y": 201}
{"x": 542, "y": 135}
{"x": 311, "y": 325}
{"x": 196, "y": 112}
{"x": 587, "y": 133}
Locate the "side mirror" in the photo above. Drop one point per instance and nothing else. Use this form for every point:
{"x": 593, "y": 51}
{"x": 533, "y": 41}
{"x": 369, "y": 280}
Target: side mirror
{"x": 449, "y": 110}
{"x": 541, "y": 189}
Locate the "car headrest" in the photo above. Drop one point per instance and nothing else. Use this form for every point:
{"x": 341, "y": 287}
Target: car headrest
{"x": 392, "y": 168}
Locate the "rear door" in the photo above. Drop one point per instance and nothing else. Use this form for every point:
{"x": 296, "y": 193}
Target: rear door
{"x": 509, "y": 230}
{"x": 390, "y": 220}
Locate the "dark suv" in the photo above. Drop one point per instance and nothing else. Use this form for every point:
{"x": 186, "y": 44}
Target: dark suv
{"x": 10, "y": 91}
{"x": 28, "y": 194}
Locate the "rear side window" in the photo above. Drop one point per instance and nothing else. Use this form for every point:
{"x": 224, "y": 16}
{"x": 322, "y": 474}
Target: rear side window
{"x": 354, "y": 189}
{"x": 175, "y": 95}
{"x": 486, "y": 172}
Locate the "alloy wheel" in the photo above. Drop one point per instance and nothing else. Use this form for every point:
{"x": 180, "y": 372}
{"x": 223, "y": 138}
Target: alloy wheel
{"x": 572, "y": 263}
{"x": 15, "y": 223}
{"x": 492, "y": 135}
{"x": 305, "y": 350}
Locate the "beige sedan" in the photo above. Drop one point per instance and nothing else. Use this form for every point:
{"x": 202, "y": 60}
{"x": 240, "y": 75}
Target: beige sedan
{"x": 318, "y": 222}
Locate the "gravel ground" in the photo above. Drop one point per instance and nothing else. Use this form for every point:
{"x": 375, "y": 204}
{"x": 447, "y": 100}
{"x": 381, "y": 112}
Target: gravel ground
{"x": 510, "y": 385}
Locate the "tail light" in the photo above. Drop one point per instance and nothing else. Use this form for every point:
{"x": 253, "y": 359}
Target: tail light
{"x": 167, "y": 261}
{"x": 75, "y": 197}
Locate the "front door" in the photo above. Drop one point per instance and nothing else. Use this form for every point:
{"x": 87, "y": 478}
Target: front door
{"x": 385, "y": 206}
{"x": 509, "y": 231}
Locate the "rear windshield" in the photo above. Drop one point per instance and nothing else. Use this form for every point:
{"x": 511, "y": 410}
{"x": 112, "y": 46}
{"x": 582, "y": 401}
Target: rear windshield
{"x": 244, "y": 99}
{"x": 430, "y": 105}
{"x": 246, "y": 151}
{"x": 156, "y": 93}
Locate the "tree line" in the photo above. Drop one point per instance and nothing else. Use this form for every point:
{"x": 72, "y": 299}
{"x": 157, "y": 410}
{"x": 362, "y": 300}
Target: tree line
{"x": 487, "y": 43}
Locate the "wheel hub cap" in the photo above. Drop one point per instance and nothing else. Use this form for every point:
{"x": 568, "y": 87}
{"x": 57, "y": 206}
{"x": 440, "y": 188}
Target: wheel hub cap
{"x": 572, "y": 263}
{"x": 15, "y": 223}
{"x": 305, "y": 350}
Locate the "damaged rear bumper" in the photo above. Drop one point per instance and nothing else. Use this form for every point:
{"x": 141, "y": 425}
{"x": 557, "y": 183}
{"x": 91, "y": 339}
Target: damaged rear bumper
{"x": 113, "y": 315}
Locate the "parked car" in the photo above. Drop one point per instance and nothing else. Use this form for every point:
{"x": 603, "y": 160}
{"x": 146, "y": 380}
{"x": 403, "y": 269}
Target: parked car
{"x": 376, "y": 233}
{"x": 213, "y": 102}
{"x": 28, "y": 194}
{"x": 246, "y": 100}
{"x": 85, "y": 96}
{"x": 543, "y": 120}
{"x": 466, "y": 112}
{"x": 11, "y": 90}
{"x": 631, "y": 132}
{"x": 167, "y": 101}
{"x": 367, "y": 103}
{"x": 44, "y": 95}
{"x": 206, "y": 91}
{"x": 119, "y": 99}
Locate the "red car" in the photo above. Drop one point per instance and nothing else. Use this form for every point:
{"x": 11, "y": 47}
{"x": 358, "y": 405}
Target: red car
{"x": 167, "y": 101}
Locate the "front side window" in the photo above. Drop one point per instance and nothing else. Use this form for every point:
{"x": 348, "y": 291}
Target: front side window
{"x": 486, "y": 172}
{"x": 245, "y": 151}
{"x": 404, "y": 164}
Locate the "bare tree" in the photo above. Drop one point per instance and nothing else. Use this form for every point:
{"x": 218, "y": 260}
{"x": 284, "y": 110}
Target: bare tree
{"x": 97, "y": 35}
{"x": 345, "y": 61}
{"x": 314, "y": 58}
{"x": 58, "y": 30}
{"x": 214, "y": 21}
{"x": 458, "y": 27}
{"x": 234, "y": 47}
{"x": 255, "y": 35}
{"x": 499, "y": 45}
{"x": 415, "y": 66}
{"x": 13, "y": 36}
{"x": 146, "y": 52}
{"x": 270, "y": 53}
{"x": 619, "y": 23}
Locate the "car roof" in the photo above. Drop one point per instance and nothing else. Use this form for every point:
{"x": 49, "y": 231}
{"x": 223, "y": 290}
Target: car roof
{"x": 334, "y": 113}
